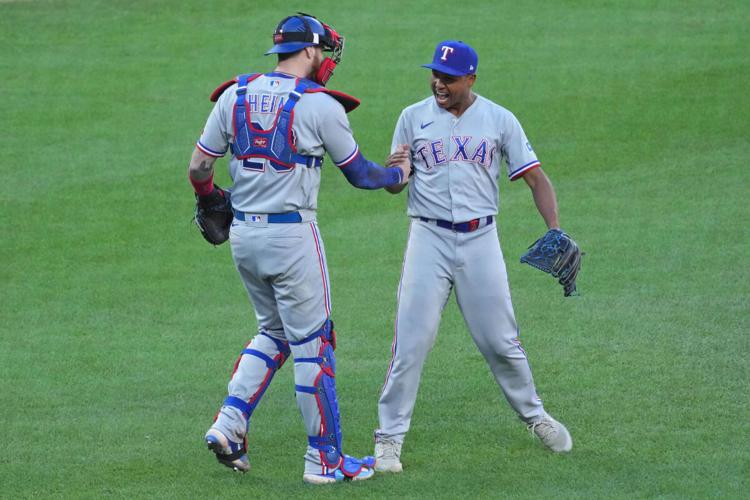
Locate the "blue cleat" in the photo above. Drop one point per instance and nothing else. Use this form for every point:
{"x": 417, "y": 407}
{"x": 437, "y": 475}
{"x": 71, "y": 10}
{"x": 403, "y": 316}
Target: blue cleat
{"x": 351, "y": 469}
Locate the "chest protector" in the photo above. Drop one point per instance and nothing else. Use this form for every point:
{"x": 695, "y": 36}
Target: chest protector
{"x": 275, "y": 144}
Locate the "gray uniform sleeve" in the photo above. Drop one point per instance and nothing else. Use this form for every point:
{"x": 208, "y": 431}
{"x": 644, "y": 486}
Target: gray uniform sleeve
{"x": 214, "y": 140}
{"x": 399, "y": 134}
{"x": 336, "y": 134}
{"x": 516, "y": 149}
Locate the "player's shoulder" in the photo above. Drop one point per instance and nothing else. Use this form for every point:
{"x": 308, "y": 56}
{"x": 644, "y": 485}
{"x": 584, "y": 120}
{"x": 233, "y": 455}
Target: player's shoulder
{"x": 321, "y": 102}
{"x": 320, "y": 96}
{"x": 418, "y": 111}
{"x": 419, "y": 107}
{"x": 224, "y": 96}
{"x": 490, "y": 106}
{"x": 228, "y": 87}
{"x": 501, "y": 116}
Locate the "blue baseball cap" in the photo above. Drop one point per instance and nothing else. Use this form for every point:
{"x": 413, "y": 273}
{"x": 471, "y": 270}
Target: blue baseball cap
{"x": 454, "y": 57}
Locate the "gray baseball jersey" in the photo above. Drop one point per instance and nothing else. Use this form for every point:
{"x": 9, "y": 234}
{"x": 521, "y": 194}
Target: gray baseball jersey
{"x": 320, "y": 125}
{"x": 456, "y": 164}
{"x": 458, "y": 159}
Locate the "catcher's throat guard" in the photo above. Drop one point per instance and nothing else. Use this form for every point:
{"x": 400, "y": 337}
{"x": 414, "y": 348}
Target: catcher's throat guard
{"x": 325, "y": 72}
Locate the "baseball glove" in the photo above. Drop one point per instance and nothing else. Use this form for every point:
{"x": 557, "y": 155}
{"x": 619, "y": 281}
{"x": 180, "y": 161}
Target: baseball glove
{"x": 213, "y": 215}
{"x": 558, "y": 254}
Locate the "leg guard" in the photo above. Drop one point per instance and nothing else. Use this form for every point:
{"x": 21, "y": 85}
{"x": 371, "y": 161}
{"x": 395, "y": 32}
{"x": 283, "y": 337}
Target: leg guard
{"x": 249, "y": 382}
{"x": 252, "y": 375}
{"x": 318, "y": 380}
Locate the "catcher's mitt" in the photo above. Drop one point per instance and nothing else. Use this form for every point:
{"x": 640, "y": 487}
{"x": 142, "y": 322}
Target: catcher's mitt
{"x": 213, "y": 215}
{"x": 557, "y": 254}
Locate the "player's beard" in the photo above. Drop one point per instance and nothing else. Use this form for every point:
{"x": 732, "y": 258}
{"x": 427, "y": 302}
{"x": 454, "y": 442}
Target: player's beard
{"x": 317, "y": 63}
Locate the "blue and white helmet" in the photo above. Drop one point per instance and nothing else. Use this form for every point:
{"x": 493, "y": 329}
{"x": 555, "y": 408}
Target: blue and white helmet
{"x": 303, "y": 30}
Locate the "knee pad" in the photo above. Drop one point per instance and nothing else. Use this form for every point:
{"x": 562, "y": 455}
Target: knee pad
{"x": 323, "y": 388}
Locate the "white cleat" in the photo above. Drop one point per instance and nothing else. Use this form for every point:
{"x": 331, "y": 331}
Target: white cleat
{"x": 387, "y": 455}
{"x": 552, "y": 433}
{"x": 318, "y": 479}
{"x": 336, "y": 477}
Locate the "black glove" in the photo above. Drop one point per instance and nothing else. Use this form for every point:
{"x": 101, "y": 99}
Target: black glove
{"x": 213, "y": 215}
{"x": 558, "y": 254}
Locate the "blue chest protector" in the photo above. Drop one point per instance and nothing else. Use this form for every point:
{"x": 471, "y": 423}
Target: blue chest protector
{"x": 275, "y": 144}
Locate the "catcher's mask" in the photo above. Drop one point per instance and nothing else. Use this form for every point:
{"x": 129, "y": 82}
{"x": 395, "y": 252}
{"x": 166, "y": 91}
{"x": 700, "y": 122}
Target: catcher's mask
{"x": 303, "y": 30}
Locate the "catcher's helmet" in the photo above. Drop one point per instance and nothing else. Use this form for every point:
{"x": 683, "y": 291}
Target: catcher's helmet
{"x": 303, "y": 30}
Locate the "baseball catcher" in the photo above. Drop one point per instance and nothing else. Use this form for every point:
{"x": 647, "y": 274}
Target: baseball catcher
{"x": 213, "y": 215}
{"x": 558, "y": 254}
{"x": 282, "y": 123}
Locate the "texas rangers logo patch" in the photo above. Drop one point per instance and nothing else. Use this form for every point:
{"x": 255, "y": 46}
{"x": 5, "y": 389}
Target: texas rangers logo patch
{"x": 260, "y": 142}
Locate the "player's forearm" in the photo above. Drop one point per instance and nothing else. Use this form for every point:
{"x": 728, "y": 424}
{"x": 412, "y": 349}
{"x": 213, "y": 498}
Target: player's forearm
{"x": 364, "y": 174}
{"x": 544, "y": 196}
{"x": 201, "y": 172}
{"x": 396, "y": 188}
{"x": 546, "y": 203}
{"x": 400, "y": 154}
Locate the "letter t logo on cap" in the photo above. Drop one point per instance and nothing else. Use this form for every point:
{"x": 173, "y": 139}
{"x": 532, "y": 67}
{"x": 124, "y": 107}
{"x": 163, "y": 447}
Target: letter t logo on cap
{"x": 446, "y": 50}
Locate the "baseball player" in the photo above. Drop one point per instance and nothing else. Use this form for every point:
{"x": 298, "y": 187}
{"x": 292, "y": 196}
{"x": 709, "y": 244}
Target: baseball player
{"x": 278, "y": 126}
{"x": 455, "y": 140}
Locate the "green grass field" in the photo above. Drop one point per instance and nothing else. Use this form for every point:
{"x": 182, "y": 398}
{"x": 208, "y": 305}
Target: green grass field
{"x": 119, "y": 325}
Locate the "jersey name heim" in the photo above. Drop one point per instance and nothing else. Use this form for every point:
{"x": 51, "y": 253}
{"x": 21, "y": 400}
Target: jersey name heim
{"x": 265, "y": 103}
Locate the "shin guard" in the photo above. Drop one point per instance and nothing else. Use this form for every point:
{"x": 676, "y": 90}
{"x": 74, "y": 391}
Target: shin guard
{"x": 318, "y": 350}
{"x": 252, "y": 375}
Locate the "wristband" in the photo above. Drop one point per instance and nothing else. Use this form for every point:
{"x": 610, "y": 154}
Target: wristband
{"x": 204, "y": 187}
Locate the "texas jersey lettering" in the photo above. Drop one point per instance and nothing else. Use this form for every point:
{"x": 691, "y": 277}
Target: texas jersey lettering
{"x": 457, "y": 156}
{"x": 466, "y": 148}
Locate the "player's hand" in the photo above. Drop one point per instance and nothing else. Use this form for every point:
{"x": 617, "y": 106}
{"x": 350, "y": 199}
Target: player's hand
{"x": 401, "y": 158}
{"x": 400, "y": 154}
